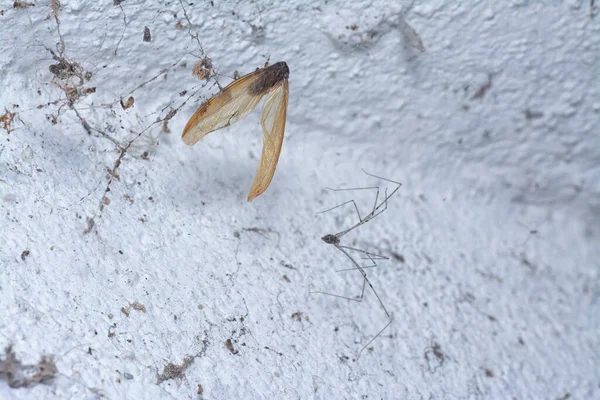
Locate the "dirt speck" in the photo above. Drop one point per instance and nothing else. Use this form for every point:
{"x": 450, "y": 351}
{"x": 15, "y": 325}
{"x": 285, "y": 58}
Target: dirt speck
{"x": 90, "y": 225}
{"x": 25, "y": 254}
{"x": 172, "y": 371}
{"x": 230, "y": 347}
{"x": 483, "y": 89}
{"x": 147, "y": 35}
{"x": 297, "y": 316}
{"x": 529, "y": 114}
{"x": 398, "y": 257}
{"x": 564, "y": 397}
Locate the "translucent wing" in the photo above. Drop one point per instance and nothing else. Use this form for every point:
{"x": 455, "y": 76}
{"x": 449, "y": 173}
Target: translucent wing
{"x": 224, "y": 109}
{"x": 412, "y": 37}
{"x": 273, "y": 124}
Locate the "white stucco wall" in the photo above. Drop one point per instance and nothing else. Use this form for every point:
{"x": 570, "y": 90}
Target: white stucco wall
{"x": 493, "y": 132}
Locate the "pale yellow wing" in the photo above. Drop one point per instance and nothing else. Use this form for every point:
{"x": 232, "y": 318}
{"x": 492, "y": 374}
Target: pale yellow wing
{"x": 224, "y": 109}
{"x": 273, "y": 124}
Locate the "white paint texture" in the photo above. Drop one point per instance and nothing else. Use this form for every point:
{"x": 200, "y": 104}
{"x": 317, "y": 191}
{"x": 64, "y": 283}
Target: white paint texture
{"x": 477, "y": 176}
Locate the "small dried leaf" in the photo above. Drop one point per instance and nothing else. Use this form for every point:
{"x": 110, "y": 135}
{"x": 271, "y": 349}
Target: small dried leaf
{"x": 128, "y": 103}
{"x": 138, "y": 306}
{"x": 230, "y": 347}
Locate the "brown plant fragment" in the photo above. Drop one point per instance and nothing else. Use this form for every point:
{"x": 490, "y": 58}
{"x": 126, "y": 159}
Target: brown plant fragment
{"x": 54, "y": 7}
{"x": 21, "y": 375}
{"x": 22, "y": 4}
{"x": 138, "y": 306}
{"x": 230, "y": 347}
{"x": 203, "y": 69}
{"x": 7, "y": 119}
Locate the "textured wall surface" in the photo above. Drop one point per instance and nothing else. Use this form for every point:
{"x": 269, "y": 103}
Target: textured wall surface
{"x": 129, "y": 259}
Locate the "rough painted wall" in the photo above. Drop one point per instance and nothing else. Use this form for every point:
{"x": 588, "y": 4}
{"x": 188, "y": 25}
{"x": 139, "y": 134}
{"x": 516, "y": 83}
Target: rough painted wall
{"x": 131, "y": 258}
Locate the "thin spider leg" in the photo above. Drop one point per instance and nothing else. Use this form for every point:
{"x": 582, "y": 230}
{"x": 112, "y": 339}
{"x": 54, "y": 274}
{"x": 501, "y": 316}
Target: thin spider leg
{"x": 356, "y": 299}
{"x": 350, "y": 201}
{"x": 384, "y": 202}
{"x": 365, "y": 281}
{"x": 375, "y": 202}
{"x": 354, "y": 269}
{"x": 386, "y": 196}
{"x": 368, "y": 257}
{"x": 357, "y": 265}
{"x": 372, "y": 214}
{"x": 382, "y": 178}
{"x": 343, "y": 204}
{"x": 369, "y": 254}
{"x": 356, "y": 188}
{"x": 376, "y": 295}
{"x": 376, "y": 336}
{"x": 375, "y": 258}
